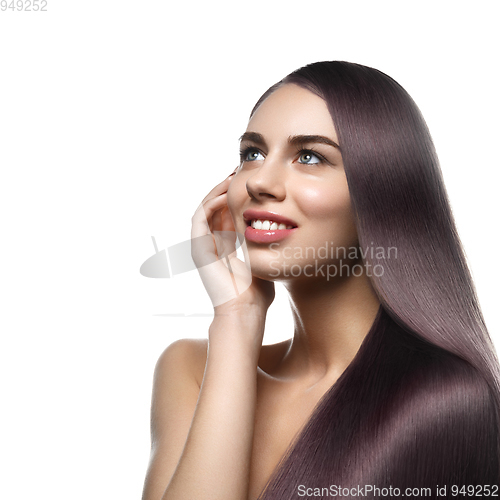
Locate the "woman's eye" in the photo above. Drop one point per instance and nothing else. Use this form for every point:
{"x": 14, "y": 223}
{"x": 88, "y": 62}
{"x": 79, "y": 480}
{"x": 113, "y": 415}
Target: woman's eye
{"x": 251, "y": 155}
{"x": 309, "y": 158}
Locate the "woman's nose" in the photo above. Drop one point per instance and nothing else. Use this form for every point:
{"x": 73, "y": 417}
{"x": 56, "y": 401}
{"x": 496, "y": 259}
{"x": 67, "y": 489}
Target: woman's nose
{"x": 267, "y": 181}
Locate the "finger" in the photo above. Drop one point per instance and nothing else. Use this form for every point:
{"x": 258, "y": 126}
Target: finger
{"x": 216, "y": 192}
{"x": 227, "y": 220}
{"x": 219, "y": 189}
{"x": 227, "y": 232}
{"x": 224, "y": 243}
{"x": 216, "y": 224}
{"x": 203, "y": 215}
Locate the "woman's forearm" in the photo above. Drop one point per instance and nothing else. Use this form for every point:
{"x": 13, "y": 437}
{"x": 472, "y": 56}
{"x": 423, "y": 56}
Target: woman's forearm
{"x": 215, "y": 462}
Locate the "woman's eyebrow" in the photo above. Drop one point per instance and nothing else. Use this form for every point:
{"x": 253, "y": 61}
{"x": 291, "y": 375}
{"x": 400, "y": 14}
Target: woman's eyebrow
{"x": 307, "y": 139}
{"x": 253, "y": 137}
{"x": 294, "y": 140}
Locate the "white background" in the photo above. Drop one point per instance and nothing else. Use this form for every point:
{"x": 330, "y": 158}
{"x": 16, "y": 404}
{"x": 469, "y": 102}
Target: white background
{"x": 116, "y": 118}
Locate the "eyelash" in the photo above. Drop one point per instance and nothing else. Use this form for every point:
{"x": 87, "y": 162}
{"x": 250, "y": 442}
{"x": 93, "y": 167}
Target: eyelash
{"x": 244, "y": 153}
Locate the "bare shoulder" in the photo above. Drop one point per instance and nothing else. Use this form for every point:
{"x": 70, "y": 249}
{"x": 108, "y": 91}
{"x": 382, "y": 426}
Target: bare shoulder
{"x": 176, "y": 387}
{"x": 182, "y": 361}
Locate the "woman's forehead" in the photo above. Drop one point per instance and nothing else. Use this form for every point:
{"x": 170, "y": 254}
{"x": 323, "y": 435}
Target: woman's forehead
{"x": 292, "y": 110}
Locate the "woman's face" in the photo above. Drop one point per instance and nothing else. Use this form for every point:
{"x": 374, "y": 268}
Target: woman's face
{"x": 291, "y": 173}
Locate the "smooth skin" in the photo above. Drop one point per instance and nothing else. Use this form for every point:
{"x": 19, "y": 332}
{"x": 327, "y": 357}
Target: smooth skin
{"x": 225, "y": 411}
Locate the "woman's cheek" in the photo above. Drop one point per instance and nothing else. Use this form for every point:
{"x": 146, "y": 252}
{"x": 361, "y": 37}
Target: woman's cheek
{"x": 318, "y": 202}
{"x": 331, "y": 211}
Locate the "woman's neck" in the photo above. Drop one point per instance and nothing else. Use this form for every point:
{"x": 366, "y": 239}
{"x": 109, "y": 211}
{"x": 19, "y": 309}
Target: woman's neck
{"x": 331, "y": 321}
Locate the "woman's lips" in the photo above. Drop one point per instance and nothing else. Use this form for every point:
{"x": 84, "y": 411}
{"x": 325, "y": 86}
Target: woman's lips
{"x": 252, "y": 214}
{"x": 267, "y": 235}
{"x": 267, "y": 219}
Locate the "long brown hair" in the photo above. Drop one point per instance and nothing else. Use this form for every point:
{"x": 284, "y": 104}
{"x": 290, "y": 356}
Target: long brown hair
{"x": 419, "y": 404}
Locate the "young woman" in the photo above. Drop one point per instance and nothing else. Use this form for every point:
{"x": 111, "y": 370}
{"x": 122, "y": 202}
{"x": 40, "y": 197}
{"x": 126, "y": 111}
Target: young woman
{"x": 390, "y": 384}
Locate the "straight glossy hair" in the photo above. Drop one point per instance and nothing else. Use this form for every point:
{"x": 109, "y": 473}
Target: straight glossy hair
{"x": 418, "y": 407}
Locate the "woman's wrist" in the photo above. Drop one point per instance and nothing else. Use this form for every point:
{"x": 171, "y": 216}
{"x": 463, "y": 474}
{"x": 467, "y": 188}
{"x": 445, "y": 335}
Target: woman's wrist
{"x": 240, "y": 334}
{"x": 244, "y": 319}
{"x": 253, "y": 306}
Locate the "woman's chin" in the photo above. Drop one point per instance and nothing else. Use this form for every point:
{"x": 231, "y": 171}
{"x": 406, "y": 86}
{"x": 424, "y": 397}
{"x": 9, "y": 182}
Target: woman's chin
{"x": 264, "y": 276}
{"x": 265, "y": 272}
{"x": 276, "y": 275}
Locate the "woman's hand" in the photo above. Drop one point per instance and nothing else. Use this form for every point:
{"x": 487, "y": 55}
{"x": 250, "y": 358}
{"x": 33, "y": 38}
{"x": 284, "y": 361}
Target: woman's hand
{"x": 203, "y": 435}
{"x": 227, "y": 279}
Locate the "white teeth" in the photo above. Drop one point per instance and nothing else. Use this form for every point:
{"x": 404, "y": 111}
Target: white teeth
{"x": 268, "y": 225}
